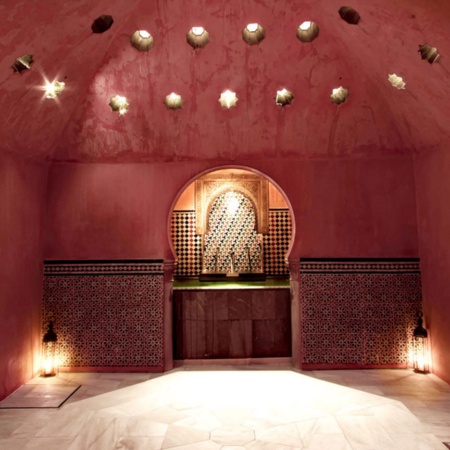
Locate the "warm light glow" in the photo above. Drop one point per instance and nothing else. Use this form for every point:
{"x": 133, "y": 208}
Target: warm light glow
{"x": 144, "y": 34}
{"x": 339, "y": 95}
{"x": 198, "y": 31}
{"x": 48, "y": 366}
{"x": 173, "y": 101}
{"x": 283, "y": 97}
{"x": 305, "y": 26}
{"x": 252, "y": 27}
{"x": 53, "y": 89}
{"x": 119, "y": 104}
{"x": 232, "y": 203}
{"x": 396, "y": 81}
{"x": 228, "y": 99}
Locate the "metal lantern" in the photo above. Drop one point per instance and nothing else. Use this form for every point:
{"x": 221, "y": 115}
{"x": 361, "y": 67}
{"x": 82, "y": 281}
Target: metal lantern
{"x": 49, "y": 353}
{"x": 420, "y": 340}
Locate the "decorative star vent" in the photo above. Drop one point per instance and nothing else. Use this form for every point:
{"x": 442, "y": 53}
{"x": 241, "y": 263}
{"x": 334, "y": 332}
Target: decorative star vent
{"x": 396, "y": 81}
{"x": 22, "y": 63}
{"x": 119, "y": 104}
{"x": 52, "y": 90}
{"x": 284, "y": 97}
{"x": 228, "y": 99}
{"x": 339, "y": 95}
{"x": 253, "y": 33}
{"x": 142, "y": 40}
{"x": 307, "y": 31}
{"x": 173, "y": 101}
{"x": 197, "y": 37}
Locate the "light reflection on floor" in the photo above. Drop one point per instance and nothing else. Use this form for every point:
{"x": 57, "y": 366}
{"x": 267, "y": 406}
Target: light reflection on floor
{"x": 232, "y": 409}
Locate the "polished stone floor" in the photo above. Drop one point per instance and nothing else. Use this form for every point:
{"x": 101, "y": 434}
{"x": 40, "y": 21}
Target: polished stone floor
{"x": 238, "y": 408}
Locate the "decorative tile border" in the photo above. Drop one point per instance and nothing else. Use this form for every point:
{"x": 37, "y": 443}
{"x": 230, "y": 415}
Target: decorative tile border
{"x": 358, "y": 313}
{"x": 131, "y": 267}
{"x": 106, "y": 314}
{"x": 392, "y": 265}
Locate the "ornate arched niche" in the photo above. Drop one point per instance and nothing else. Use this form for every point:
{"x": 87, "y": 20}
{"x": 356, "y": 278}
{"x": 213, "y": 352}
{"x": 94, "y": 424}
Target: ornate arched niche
{"x": 212, "y": 185}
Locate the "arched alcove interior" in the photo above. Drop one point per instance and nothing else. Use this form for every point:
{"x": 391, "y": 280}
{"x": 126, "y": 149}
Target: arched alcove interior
{"x": 231, "y": 243}
{"x": 205, "y": 234}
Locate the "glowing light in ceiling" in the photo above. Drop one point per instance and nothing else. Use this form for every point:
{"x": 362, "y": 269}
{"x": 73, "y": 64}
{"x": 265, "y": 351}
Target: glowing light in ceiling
{"x": 396, "y": 81}
{"x": 198, "y": 31}
{"x": 119, "y": 104}
{"x": 253, "y": 33}
{"x": 173, "y": 101}
{"x": 307, "y": 31}
{"x": 142, "y": 40}
{"x": 339, "y": 95}
{"x": 144, "y": 34}
{"x": 197, "y": 37}
{"x": 305, "y": 26}
{"x": 283, "y": 97}
{"x": 228, "y": 99}
{"x": 52, "y": 90}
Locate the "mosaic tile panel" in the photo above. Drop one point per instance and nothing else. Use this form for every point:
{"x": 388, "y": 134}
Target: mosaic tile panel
{"x": 106, "y": 314}
{"x": 232, "y": 233}
{"x": 188, "y": 245}
{"x": 359, "y": 312}
{"x": 276, "y": 243}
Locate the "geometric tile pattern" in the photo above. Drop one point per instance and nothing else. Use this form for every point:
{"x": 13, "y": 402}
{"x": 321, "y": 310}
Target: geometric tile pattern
{"x": 106, "y": 320}
{"x": 276, "y": 243}
{"x": 351, "y": 316}
{"x": 232, "y": 233}
{"x": 188, "y": 245}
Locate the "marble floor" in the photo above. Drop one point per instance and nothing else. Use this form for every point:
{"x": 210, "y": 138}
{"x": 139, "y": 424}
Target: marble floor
{"x": 238, "y": 408}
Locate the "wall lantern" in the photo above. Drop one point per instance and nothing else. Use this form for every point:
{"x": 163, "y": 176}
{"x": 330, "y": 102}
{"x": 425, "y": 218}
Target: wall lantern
{"x": 228, "y": 99}
{"x": 173, "y": 101}
{"x": 54, "y": 89}
{"x": 420, "y": 342}
{"x": 350, "y": 15}
{"x": 284, "y": 97}
{"x": 142, "y": 40}
{"x": 119, "y": 103}
{"x": 429, "y": 53}
{"x": 22, "y": 63}
{"x": 253, "y": 33}
{"x": 339, "y": 95}
{"x": 308, "y": 31}
{"x": 197, "y": 37}
{"x": 49, "y": 352}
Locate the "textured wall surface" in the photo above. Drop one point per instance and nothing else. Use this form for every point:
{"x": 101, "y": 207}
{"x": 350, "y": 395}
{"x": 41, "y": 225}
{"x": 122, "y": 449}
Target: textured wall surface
{"x": 107, "y": 315}
{"x": 358, "y": 313}
{"x": 433, "y": 187}
{"x": 22, "y": 197}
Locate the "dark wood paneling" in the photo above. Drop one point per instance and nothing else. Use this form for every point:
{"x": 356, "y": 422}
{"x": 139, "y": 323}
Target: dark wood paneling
{"x": 231, "y": 323}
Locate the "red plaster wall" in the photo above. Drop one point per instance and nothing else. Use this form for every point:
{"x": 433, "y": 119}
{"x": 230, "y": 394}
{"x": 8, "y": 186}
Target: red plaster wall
{"x": 433, "y": 187}
{"x": 22, "y": 191}
{"x": 342, "y": 208}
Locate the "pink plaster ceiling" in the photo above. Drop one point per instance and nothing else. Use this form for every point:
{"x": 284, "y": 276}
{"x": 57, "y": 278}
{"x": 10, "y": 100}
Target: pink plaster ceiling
{"x": 80, "y": 126}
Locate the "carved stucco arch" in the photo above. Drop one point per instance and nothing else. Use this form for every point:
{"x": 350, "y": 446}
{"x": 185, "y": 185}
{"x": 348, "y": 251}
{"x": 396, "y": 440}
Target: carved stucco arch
{"x": 252, "y": 186}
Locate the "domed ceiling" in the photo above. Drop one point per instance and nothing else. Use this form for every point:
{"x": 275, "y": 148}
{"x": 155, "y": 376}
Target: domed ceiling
{"x": 79, "y": 125}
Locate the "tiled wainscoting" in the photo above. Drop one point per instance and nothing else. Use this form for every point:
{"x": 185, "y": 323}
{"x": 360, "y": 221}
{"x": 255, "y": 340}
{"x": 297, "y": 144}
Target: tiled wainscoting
{"x": 107, "y": 315}
{"x": 358, "y": 313}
